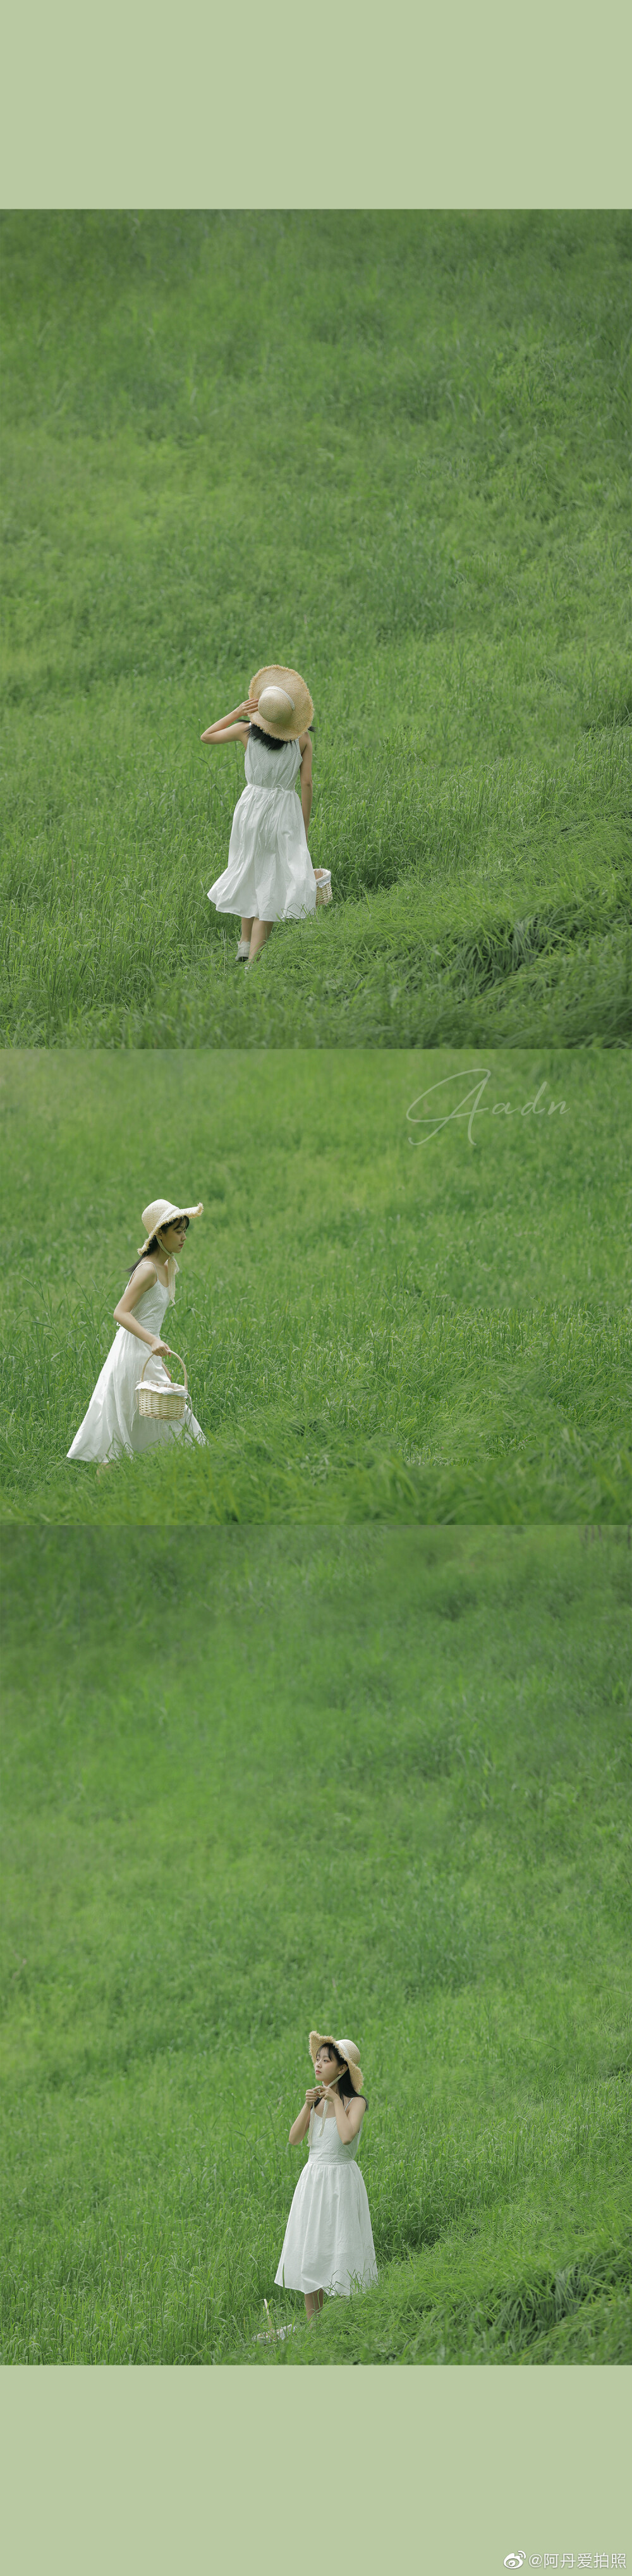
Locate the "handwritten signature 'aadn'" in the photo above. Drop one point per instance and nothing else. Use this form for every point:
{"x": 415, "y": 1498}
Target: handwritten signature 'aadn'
{"x": 470, "y": 1105}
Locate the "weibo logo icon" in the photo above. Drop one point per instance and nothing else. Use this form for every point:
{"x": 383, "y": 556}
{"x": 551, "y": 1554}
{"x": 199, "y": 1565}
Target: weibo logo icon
{"x": 516, "y": 2558}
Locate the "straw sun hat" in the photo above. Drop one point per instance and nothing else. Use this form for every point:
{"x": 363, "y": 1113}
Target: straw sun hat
{"x": 164, "y": 1212}
{"x": 346, "y": 2048}
{"x": 283, "y": 702}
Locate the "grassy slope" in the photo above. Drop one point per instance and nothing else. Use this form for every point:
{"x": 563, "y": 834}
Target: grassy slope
{"x": 373, "y": 1327}
{"x": 407, "y": 477}
{"x": 247, "y": 1780}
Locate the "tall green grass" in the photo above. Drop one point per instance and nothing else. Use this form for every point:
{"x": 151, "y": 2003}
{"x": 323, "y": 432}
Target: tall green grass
{"x": 410, "y": 481}
{"x": 248, "y": 1779}
{"x": 373, "y": 1326}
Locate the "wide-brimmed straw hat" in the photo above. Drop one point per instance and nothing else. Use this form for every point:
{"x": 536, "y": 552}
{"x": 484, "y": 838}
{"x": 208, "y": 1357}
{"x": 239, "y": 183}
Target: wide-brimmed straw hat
{"x": 283, "y": 702}
{"x": 346, "y": 2048}
{"x": 164, "y": 1212}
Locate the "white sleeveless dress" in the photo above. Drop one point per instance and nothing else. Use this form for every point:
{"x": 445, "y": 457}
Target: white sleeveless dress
{"x": 328, "y": 2243}
{"x": 269, "y": 876}
{"x": 112, "y": 1424}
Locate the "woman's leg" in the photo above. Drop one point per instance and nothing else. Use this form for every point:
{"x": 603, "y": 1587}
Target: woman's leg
{"x": 313, "y": 2303}
{"x": 246, "y": 927}
{"x": 260, "y": 932}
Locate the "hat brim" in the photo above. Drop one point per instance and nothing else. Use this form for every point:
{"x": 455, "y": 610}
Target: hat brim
{"x": 170, "y": 1214}
{"x": 278, "y": 675}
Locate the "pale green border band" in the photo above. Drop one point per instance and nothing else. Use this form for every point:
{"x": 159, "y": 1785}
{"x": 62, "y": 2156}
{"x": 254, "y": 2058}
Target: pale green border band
{"x": 189, "y": 2470}
{"x": 495, "y": 105}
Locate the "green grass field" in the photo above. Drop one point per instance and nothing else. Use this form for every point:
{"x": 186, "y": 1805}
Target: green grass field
{"x": 374, "y": 1326}
{"x": 248, "y": 1779}
{"x": 391, "y": 449}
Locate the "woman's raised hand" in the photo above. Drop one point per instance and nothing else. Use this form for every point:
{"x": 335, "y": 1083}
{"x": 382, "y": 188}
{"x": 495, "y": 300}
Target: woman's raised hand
{"x": 311, "y": 2096}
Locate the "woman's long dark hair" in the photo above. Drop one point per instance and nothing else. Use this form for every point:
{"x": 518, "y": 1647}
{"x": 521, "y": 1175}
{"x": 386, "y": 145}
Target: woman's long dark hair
{"x": 271, "y": 740}
{"x": 154, "y": 1246}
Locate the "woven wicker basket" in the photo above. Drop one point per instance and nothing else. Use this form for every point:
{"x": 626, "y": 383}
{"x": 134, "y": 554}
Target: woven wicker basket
{"x": 162, "y": 1403}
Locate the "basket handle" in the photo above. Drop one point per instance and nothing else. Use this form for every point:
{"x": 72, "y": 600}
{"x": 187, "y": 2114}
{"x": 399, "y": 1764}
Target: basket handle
{"x": 173, "y": 1355}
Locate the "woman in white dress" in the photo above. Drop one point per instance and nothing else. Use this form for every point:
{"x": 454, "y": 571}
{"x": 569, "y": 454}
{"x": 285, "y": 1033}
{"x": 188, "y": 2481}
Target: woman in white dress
{"x": 328, "y": 2243}
{"x": 269, "y": 876}
{"x": 112, "y": 1425}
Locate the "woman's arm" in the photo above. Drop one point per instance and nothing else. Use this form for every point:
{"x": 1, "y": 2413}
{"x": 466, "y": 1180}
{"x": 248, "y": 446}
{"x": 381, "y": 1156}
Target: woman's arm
{"x": 301, "y": 2124}
{"x": 233, "y": 727}
{"x": 306, "y": 783}
{"x": 348, "y": 2116}
{"x": 225, "y": 733}
{"x": 124, "y": 1312}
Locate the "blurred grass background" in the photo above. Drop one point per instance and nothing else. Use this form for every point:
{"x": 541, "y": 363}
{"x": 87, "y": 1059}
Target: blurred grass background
{"x": 389, "y": 448}
{"x": 249, "y": 1779}
{"x": 373, "y": 1326}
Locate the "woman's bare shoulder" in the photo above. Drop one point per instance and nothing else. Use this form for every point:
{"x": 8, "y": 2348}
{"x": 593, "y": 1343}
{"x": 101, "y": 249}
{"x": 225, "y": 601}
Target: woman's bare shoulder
{"x": 144, "y": 1272}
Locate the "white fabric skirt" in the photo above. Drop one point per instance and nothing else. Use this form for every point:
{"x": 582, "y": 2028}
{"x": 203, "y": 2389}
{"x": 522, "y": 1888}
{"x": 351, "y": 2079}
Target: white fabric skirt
{"x": 328, "y": 2243}
{"x": 112, "y": 1426}
{"x": 269, "y": 876}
